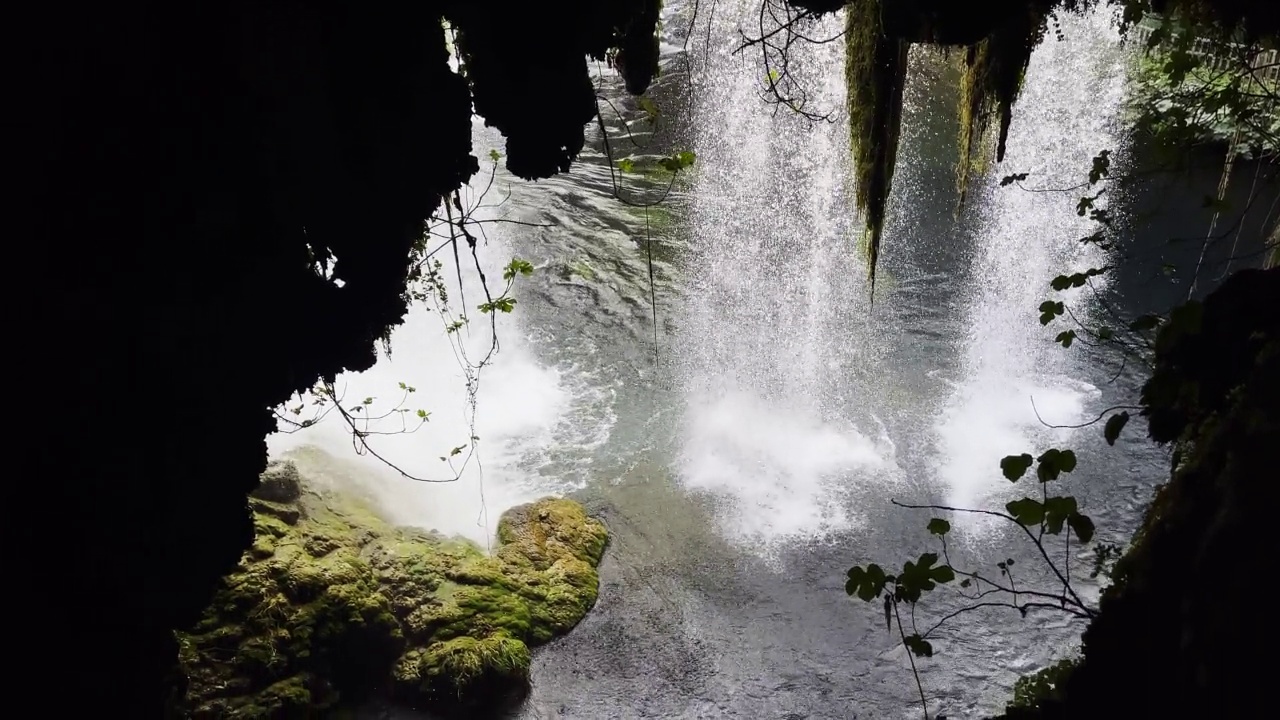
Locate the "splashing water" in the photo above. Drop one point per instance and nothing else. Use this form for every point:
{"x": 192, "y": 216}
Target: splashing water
{"x": 768, "y": 339}
{"x": 1067, "y": 113}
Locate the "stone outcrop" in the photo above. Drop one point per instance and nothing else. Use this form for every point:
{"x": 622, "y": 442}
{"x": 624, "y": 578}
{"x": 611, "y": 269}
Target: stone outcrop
{"x": 332, "y": 605}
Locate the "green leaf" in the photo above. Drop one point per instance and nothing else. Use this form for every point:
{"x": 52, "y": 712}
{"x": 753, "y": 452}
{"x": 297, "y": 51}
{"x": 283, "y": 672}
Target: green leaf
{"x": 917, "y": 578}
{"x": 918, "y": 646}
{"x": 1075, "y": 280}
{"x": 1115, "y": 423}
{"x": 494, "y": 155}
{"x": 1067, "y": 461}
{"x": 626, "y": 165}
{"x": 1055, "y": 462}
{"x": 1101, "y": 167}
{"x": 1050, "y": 310}
{"x": 966, "y": 583}
{"x": 888, "y": 610}
{"x": 1082, "y": 526}
{"x": 517, "y": 267}
{"x": 1011, "y": 179}
{"x": 1066, "y": 337}
{"x": 649, "y": 108}
{"x": 678, "y": 161}
{"x": 457, "y": 451}
{"x": 1056, "y": 512}
{"x": 424, "y": 414}
{"x": 1015, "y": 466}
{"x": 773, "y": 76}
{"x": 1084, "y": 206}
{"x": 504, "y": 304}
{"x": 1105, "y": 333}
{"x": 938, "y": 526}
{"x": 866, "y": 583}
{"x": 943, "y": 574}
{"x": 1026, "y": 512}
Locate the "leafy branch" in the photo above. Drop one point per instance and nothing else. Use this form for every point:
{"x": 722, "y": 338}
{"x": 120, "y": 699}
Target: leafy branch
{"x": 454, "y": 223}
{"x": 1038, "y": 519}
{"x": 781, "y": 27}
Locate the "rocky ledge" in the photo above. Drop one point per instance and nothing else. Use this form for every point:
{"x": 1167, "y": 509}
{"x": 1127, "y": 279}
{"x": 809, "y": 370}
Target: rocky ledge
{"x": 333, "y": 605}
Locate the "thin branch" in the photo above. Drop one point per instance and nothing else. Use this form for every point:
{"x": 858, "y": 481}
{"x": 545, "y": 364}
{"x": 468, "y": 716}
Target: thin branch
{"x": 1039, "y": 546}
{"x": 1084, "y": 424}
{"x": 1022, "y": 608}
{"x": 911, "y": 656}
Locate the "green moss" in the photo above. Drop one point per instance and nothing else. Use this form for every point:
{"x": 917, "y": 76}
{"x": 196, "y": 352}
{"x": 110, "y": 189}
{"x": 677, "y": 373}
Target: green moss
{"x": 332, "y": 602}
{"x": 549, "y": 530}
{"x": 466, "y": 667}
{"x": 994, "y": 70}
{"x": 999, "y": 37}
{"x": 875, "y": 74}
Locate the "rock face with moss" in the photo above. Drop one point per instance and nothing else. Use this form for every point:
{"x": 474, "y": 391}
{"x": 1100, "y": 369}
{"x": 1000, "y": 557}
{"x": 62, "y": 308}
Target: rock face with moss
{"x": 332, "y": 605}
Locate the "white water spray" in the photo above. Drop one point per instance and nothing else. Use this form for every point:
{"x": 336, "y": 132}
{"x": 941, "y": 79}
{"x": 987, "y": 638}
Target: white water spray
{"x": 1068, "y": 112}
{"x": 767, "y": 340}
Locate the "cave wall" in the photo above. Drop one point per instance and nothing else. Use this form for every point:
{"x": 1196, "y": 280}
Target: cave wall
{"x": 183, "y": 169}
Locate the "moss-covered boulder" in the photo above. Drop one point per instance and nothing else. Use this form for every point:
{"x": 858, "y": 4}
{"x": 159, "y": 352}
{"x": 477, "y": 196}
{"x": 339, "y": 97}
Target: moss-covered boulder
{"x": 332, "y": 604}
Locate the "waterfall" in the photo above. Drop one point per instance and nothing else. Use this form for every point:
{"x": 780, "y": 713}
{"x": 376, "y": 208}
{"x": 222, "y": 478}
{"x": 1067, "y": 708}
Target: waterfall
{"x": 775, "y": 296}
{"x": 776, "y": 354}
{"x": 1068, "y": 112}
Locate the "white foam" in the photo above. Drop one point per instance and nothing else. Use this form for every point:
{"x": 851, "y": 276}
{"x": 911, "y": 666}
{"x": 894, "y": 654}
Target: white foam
{"x": 780, "y": 473}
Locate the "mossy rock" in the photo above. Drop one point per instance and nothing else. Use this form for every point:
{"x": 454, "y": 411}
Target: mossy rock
{"x": 467, "y": 670}
{"x": 333, "y": 604}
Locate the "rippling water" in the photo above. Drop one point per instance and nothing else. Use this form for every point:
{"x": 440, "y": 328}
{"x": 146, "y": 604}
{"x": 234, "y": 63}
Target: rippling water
{"x": 745, "y": 453}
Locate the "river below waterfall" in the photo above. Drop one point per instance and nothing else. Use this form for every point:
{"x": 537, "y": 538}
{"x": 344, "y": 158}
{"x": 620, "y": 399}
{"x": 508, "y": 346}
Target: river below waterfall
{"x": 744, "y": 455}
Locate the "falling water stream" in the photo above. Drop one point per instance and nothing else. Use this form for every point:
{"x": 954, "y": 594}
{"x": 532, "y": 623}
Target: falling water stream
{"x": 749, "y": 459}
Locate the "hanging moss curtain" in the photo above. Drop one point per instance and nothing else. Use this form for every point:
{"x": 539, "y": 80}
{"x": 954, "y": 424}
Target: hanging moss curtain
{"x": 876, "y": 72}
{"x": 878, "y": 34}
{"x": 994, "y": 69}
